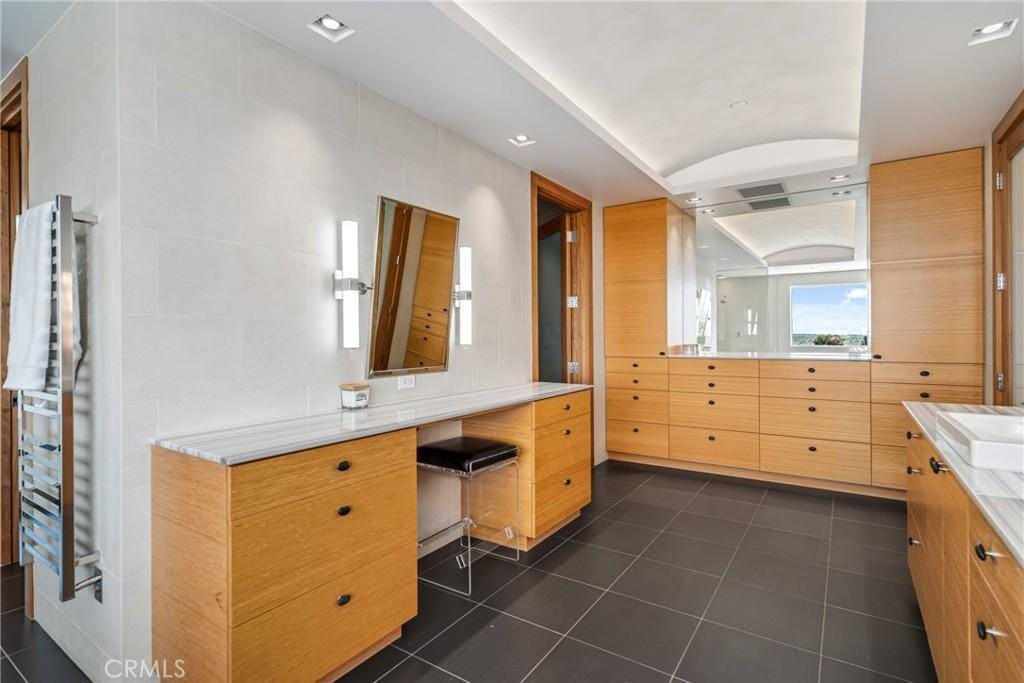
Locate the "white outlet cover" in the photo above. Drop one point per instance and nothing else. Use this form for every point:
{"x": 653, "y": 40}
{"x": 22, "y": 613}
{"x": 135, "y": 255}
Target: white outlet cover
{"x": 407, "y": 381}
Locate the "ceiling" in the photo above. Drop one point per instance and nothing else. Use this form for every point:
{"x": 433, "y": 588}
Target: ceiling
{"x": 770, "y": 233}
{"x": 22, "y": 24}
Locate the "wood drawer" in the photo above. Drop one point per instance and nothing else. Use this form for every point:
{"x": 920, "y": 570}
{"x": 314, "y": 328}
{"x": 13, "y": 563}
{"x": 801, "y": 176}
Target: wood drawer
{"x": 889, "y": 467}
{"x": 817, "y": 458}
{"x": 957, "y": 374}
{"x": 637, "y": 365}
{"x": 846, "y": 371}
{"x": 638, "y": 438}
{"x": 273, "y": 482}
{"x": 890, "y": 424}
{"x": 712, "y": 366}
{"x": 1003, "y": 574}
{"x": 836, "y": 420}
{"x": 426, "y": 344}
{"x": 629, "y": 380}
{"x": 307, "y": 638}
{"x": 993, "y": 659}
{"x": 428, "y": 326}
{"x": 413, "y": 360}
{"x": 560, "y": 445}
{"x": 916, "y": 557}
{"x": 919, "y": 484}
{"x": 281, "y": 552}
{"x": 713, "y": 384}
{"x": 737, "y": 413}
{"x": 430, "y": 314}
{"x": 828, "y": 390}
{"x": 931, "y": 393}
{"x": 560, "y": 495}
{"x": 715, "y": 446}
{"x": 559, "y": 408}
{"x": 634, "y": 405}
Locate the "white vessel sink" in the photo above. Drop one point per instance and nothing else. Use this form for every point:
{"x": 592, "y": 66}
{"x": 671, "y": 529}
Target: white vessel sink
{"x": 994, "y": 442}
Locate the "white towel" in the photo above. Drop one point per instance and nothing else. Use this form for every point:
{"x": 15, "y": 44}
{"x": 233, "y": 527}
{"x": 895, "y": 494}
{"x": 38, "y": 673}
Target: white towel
{"x": 28, "y": 352}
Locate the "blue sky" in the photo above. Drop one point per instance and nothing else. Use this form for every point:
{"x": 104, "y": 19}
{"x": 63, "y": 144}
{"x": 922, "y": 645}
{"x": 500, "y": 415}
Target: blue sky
{"x": 832, "y": 309}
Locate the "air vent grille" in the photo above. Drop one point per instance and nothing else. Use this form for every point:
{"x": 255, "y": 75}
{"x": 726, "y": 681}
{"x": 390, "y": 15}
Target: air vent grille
{"x": 761, "y": 190}
{"x": 775, "y": 203}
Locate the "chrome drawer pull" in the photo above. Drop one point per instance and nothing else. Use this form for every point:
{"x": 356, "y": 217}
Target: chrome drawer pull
{"x": 913, "y": 470}
{"x": 937, "y": 466}
{"x": 985, "y": 631}
{"x": 344, "y": 600}
{"x": 911, "y": 541}
{"x": 912, "y": 435}
{"x": 983, "y": 553}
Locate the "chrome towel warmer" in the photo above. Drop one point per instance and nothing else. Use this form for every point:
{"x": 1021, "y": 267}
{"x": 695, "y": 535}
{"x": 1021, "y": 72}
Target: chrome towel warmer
{"x": 46, "y": 429}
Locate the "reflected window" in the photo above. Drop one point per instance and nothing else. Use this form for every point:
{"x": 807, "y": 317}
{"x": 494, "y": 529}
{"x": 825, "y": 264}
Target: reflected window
{"x": 829, "y": 315}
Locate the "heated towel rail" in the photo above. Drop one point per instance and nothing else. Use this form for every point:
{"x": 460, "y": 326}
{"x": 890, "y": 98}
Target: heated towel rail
{"x": 46, "y": 429}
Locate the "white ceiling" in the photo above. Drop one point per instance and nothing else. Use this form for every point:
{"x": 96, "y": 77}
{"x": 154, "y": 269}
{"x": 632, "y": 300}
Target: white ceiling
{"x": 22, "y": 24}
{"x": 767, "y": 233}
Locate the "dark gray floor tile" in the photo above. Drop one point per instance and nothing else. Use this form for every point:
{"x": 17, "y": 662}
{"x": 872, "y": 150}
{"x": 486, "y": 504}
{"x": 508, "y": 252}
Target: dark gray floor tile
{"x": 625, "y": 538}
{"x": 834, "y": 671}
{"x": 375, "y": 667}
{"x": 545, "y": 599}
{"x": 794, "y": 546}
{"x": 576, "y": 662}
{"x": 47, "y": 662}
{"x": 12, "y": 593}
{"x": 489, "y": 646}
{"x": 691, "y": 553}
{"x": 18, "y": 633}
{"x": 796, "y": 521}
{"x": 437, "y": 610}
{"x": 586, "y": 563}
{"x": 8, "y": 673}
{"x": 877, "y": 562}
{"x": 690, "y": 482}
{"x": 623, "y": 471}
{"x": 871, "y": 510}
{"x": 772, "y": 615}
{"x": 644, "y": 633}
{"x": 779, "y": 574}
{"x": 890, "y": 538}
{"x": 804, "y": 500}
{"x": 747, "y": 492}
{"x": 641, "y": 514}
{"x": 659, "y": 497}
{"x": 528, "y": 558}
{"x": 489, "y": 574}
{"x": 722, "y": 655}
{"x": 610, "y": 489}
{"x": 414, "y": 670}
{"x": 672, "y": 587}
{"x": 722, "y": 508}
{"x": 573, "y": 527}
{"x": 598, "y": 506}
{"x": 707, "y": 528}
{"x": 876, "y": 644}
{"x": 436, "y": 557}
{"x": 878, "y": 597}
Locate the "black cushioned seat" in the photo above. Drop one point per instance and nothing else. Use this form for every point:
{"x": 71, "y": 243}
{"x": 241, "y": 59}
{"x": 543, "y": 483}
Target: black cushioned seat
{"x": 465, "y": 453}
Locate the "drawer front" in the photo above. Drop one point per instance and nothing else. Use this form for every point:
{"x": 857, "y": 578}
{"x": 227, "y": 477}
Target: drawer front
{"x": 817, "y": 458}
{"x": 845, "y": 371}
{"x": 552, "y": 410}
{"x": 712, "y": 366}
{"x": 884, "y": 392}
{"x": 430, "y": 314}
{"x": 706, "y": 411}
{"x": 630, "y": 380}
{"x": 414, "y": 360}
{"x": 835, "y": 420}
{"x": 916, "y": 558}
{"x": 560, "y": 445}
{"x": 639, "y": 438}
{"x": 1003, "y": 574}
{"x": 958, "y": 374}
{"x": 637, "y": 365}
{"x": 994, "y": 659}
{"x": 890, "y": 424}
{"x": 919, "y": 485}
{"x": 828, "y": 390}
{"x": 313, "y": 635}
{"x": 428, "y": 326}
{"x": 426, "y": 344}
{"x": 889, "y": 467}
{"x": 713, "y": 384}
{"x": 267, "y": 483}
{"x": 560, "y": 495}
{"x": 634, "y": 405}
{"x": 714, "y": 446}
{"x": 279, "y": 553}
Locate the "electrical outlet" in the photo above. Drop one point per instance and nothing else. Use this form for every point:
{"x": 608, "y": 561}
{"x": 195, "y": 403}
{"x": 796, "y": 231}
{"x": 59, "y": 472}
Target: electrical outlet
{"x": 407, "y": 382}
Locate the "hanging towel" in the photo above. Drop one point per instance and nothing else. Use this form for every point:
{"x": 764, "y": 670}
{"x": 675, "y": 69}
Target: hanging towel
{"x": 30, "y": 300}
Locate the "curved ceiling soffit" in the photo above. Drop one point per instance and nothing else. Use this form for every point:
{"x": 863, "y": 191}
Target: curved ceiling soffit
{"x": 801, "y": 247}
{"x": 765, "y": 161}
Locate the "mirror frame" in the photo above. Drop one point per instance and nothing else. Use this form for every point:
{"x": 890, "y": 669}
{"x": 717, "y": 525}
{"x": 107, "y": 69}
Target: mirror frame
{"x": 379, "y": 247}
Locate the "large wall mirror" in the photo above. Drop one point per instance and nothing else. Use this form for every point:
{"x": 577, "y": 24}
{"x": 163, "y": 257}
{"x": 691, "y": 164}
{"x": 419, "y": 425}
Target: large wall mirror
{"x": 788, "y": 274}
{"x": 413, "y": 289}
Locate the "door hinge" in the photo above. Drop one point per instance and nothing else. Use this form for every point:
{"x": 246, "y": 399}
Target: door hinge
{"x": 1000, "y": 181}
{"x": 574, "y": 367}
{"x": 572, "y": 302}
{"x": 570, "y": 236}
{"x": 1000, "y": 382}
{"x": 1000, "y": 282}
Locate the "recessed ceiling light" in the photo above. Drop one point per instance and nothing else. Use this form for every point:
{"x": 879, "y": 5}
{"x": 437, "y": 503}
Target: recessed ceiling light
{"x": 694, "y": 200}
{"x": 521, "y": 140}
{"x": 838, "y": 178}
{"x": 738, "y": 104}
{"x": 707, "y": 210}
{"x": 840, "y": 193}
{"x": 331, "y": 29}
{"x": 991, "y": 32}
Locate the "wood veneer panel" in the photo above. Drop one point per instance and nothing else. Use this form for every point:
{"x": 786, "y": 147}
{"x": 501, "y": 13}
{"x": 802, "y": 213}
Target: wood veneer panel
{"x": 843, "y": 371}
{"x": 638, "y": 437}
{"x": 889, "y": 466}
{"x": 818, "y": 458}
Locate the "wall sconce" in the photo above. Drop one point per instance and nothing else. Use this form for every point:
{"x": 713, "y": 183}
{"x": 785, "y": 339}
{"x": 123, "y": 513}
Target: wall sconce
{"x": 347, "y": 286}
{"x": 464, "y": 296}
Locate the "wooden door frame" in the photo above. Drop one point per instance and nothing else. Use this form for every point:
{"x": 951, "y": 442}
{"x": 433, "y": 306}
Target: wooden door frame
{"x": 1007, "y": 141}
{"x": 580, "y": 212}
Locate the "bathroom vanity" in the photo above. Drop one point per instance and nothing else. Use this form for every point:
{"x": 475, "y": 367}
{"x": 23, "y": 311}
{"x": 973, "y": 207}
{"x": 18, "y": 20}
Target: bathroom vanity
{"x": 287, "y": 551}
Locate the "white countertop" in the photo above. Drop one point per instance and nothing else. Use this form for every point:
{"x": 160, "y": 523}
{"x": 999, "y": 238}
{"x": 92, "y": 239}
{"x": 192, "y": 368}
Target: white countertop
{"x": 236, "y": 445}
{"x": 773, "y": 355}
{"x": 999, "y": 494}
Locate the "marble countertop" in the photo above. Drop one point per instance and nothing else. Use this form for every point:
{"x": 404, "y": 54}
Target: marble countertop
{"x": 998, "y": 494}
{"x": 773, "y": 355}
{"x": 236, "y": 445}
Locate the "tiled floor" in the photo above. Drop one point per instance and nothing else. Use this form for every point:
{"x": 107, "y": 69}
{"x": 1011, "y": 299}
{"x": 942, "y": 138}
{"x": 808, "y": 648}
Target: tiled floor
{"x": 679, "y": 576}
{"x": 28, "y": 653}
